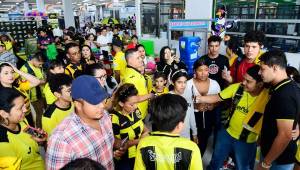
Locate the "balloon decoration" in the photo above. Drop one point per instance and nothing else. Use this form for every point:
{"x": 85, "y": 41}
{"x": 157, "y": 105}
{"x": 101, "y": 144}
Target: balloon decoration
{"x": 220, "y": 25}
{"x": 36, "y": 14}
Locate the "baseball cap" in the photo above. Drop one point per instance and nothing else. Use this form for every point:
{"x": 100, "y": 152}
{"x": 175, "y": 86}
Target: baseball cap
{"x": 117, "y": 42}
{"x": 89, "y": 89}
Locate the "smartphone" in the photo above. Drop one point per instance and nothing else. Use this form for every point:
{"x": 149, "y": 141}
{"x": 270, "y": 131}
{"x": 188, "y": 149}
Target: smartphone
{"x": 34, "y": 132}
{"x": 124, "y": 141}
{"x": 226, "y": 69}
{"x": 173, "y": 52}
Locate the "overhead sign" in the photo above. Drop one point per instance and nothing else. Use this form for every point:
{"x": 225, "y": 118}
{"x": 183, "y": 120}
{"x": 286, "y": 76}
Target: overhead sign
{"x": 187, "y": 24}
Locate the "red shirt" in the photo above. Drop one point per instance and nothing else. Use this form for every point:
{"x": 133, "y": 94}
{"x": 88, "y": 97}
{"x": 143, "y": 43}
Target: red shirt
{"x": 242, "y": 69}
{"x": 131, "y": 46}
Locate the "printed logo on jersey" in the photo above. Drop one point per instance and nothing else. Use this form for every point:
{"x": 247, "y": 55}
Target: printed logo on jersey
{"x": 213, "y": 69}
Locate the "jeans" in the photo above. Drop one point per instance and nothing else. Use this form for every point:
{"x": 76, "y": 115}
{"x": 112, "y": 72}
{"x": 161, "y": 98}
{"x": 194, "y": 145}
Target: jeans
{"x": 244, "y": 153}
{"x": 276, "y": 166}
{"x": 282, "y": 167}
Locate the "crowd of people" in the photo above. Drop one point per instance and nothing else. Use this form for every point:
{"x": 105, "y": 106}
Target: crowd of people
{"x": 144, "y": 113}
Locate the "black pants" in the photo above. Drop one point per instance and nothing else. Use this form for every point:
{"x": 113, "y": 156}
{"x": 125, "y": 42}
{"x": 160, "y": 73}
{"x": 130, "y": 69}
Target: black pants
{"x": 205, "y": 124}
{"x": 124, "y": 164}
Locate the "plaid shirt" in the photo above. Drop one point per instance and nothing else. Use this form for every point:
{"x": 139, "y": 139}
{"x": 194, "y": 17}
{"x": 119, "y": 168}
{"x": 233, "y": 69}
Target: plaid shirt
{"x": 72, "y": 139}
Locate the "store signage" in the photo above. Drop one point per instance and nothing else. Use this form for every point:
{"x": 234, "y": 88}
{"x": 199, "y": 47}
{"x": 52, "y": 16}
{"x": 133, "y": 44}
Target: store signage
{"x": 187, "y": 24}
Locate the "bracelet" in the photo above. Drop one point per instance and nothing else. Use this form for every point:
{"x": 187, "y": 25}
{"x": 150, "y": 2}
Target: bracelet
{"x": 266, "y": 166}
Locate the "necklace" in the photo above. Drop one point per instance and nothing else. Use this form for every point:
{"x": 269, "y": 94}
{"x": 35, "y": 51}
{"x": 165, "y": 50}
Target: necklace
{"x": 248, "y": 106}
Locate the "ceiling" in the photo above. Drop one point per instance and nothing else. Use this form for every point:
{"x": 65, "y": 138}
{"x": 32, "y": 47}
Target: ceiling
{"x": 260, "y": 1}
{"x": 7, "y": 5}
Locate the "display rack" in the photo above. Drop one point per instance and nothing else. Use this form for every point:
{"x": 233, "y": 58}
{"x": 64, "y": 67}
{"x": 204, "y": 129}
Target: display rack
{"x": 17, "y": 29}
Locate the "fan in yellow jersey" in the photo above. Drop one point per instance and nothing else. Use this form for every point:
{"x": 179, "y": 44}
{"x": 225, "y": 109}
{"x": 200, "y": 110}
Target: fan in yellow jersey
{"x": 60, "y": 85}
{"x": 13, "y": 141}
{"x": 297, "y": 164}
{"x": 244, "y": 122}
{"x": 55, "y": 67}
{"x": 165, "y": 149}
{"x": 127, "y": 124}
{"x": 134, "y": 76}
{"x": 74, "y": 67}
{"x": 34, "y": 67}
{"x": 9, "y": 79}
{"x": 160, "y": 80}
{"x": 119, "y": 62}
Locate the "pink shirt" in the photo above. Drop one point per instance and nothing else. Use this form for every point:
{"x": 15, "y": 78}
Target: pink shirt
{"x": 72, "y": 139}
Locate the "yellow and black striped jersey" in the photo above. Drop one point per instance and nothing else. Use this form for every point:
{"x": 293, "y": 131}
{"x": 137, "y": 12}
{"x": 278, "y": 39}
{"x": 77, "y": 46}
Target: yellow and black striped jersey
{"x": 130, "y": 126}
{"x": 20, "y": 148}
{"x": 161, "y": 151}
{"x": 54, "y": 115}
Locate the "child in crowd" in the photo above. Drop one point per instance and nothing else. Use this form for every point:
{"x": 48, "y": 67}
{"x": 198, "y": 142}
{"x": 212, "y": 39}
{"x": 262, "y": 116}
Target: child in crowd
{"x": 160, "y": 87}
{"x": 55, "y": 67}
{"x": 34, "y": 66}
{"x": 164, "y": 148}
{"x": 60, "y": 86}
{"x": 128, "y": 125}
{"x": 179, "y": 80}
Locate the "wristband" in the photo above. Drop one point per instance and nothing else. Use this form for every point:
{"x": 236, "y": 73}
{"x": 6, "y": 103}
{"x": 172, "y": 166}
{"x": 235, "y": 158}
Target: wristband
{"x": 266, "y": 166}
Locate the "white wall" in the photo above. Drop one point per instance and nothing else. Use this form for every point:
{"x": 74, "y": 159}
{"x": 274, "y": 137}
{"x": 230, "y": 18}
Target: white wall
{"x": 293, "y": 60}
{"x": 198, "y": 9}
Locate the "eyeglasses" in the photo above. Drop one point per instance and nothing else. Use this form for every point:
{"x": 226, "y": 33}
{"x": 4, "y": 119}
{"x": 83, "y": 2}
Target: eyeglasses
{"x": 102, "y": 77}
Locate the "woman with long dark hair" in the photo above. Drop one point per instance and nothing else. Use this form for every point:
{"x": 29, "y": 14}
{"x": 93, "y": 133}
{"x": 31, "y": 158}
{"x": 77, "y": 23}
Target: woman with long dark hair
{"x": 9, "y": 79}
{"x": 169, "y": 62}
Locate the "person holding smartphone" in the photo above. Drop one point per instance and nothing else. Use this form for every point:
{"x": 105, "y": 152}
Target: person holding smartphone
{"x": 14, "y": 141}
{"x": 169, "y": 63}
{"x": 127, "y": 125}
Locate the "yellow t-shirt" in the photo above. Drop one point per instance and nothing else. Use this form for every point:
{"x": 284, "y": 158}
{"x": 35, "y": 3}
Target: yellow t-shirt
{"x": 10, "y": 163}
{"x": 53, "y": 116}
{"x": 130, "y": 126}
{"x": 236, "y": 122}
{"x": 21, "y": 146}
{"x": 149, "y": 82}
{"x": 165, "y": 91}
{"x": 38, "y": 72}
{"x": 73, "y": 70}
{"x": 23, "y": 86}
{"x": 298, "y": 153}
{"x": 119, "y": 63}
{"x": 161, "y": 151}
{"x": 8, "y": 46}
{"x": 138, "y": 80}
{"x": 49, "y": 96}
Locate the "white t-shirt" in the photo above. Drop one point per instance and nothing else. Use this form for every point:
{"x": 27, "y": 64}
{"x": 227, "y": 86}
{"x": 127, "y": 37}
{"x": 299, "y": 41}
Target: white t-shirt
{"x": 189, "y": 120}
{"x": 111, "y": 90}
{"x": 57, "y": 32}
{"x": 214, "y": 88}
{"x": 90, "y": 31}
{"x": 104, "y": 40}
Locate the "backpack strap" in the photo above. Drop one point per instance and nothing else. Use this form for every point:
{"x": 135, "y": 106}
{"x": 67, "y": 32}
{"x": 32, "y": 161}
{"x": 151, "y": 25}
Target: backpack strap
{"x": 237, "y": 65}
{"x": 235, "y": 100}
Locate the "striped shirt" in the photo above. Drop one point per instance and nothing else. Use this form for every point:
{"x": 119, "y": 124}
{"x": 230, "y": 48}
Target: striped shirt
{"x": 72, "y": 139}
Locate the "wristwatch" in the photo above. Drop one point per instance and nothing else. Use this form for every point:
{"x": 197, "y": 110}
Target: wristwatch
{"x": 265, "y": 165}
